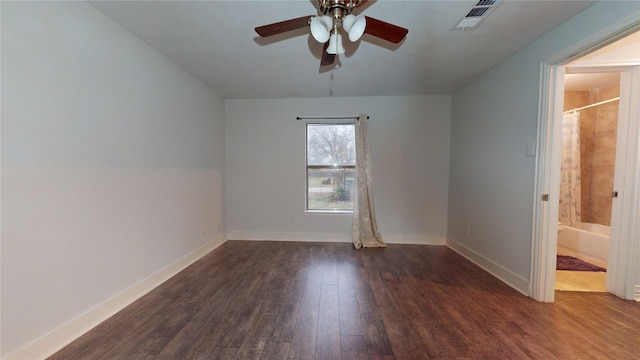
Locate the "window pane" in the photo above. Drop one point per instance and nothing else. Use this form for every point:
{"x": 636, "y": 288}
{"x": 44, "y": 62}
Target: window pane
{"x": 330, "y": 189}
{"x": 330, "y": 144}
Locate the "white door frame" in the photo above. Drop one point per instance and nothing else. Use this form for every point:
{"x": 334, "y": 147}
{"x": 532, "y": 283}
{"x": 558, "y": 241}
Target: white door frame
{"x": 547, "y": 184}
{"x": 547, "y": 179}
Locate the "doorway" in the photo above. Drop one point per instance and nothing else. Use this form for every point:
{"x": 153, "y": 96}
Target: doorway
{"x": 587, "y": 168}
{"x": 624, "y": 250}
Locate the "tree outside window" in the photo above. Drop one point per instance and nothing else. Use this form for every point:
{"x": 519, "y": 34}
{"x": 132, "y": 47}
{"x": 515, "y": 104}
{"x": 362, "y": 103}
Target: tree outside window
{"x": 331, "y": 163}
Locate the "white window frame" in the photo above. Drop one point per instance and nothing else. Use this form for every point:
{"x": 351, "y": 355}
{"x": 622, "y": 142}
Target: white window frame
{"x": 307, "y": 167}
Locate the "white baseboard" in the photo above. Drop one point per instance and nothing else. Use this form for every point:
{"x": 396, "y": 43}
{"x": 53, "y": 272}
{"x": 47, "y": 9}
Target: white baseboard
{"x": 55, "y": 340}
{"x": 288, "y": 236}
{"x": 508, "y": 277}
{"x": 415, "y": 239}
{"x": 334, "y": 237}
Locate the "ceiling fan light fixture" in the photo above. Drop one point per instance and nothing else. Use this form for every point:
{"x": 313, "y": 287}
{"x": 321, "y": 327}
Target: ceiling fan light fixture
{"x": 321, "y": 28}
{"x": 335, "y": 44}
{"x": 354, "y": 26}
{"x": 332, "y": 17}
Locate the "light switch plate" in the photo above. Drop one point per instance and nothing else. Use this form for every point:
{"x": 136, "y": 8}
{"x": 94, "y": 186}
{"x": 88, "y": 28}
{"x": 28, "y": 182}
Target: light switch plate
{"x": 530, "y": 150}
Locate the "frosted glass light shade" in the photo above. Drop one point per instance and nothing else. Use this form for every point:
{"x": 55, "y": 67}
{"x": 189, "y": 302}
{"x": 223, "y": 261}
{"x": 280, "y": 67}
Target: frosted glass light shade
{"x": 321, "y": 28}
{"x": 335, "y": 44}
{"x": 354, "y": 26}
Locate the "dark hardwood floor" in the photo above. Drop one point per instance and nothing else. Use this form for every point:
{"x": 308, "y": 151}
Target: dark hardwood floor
{"x": 287, "y": 300}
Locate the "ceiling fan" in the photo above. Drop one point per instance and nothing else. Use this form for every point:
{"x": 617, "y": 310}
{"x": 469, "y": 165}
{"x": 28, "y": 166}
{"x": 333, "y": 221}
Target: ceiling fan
{"x": 336, "y": 16}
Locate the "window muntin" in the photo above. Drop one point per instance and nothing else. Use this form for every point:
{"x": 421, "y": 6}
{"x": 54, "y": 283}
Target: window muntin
{"x": 331, "y": 164}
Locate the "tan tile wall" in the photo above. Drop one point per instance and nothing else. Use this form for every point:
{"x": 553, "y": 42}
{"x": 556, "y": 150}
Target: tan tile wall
{"x": 604, "y": 156}
{"x": 598, "y": 127}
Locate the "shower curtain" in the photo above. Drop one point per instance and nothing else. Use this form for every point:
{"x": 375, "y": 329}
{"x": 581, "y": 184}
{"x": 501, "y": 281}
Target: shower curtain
{"x": 365, "y": 231}
{"x": 570, "y": 205}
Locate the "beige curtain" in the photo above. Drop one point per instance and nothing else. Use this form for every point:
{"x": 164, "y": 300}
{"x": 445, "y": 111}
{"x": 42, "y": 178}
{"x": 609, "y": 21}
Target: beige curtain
{"x": 365, "y": 227}
{"x": 570, "y": 188}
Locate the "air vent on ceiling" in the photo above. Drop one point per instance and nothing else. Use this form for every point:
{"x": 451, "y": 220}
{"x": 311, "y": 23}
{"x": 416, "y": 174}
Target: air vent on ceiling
{"x": 477, "y": 13}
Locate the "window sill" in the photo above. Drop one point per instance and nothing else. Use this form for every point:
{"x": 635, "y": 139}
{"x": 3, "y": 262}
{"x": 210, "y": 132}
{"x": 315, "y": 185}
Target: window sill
{"x": 329, "y": 212}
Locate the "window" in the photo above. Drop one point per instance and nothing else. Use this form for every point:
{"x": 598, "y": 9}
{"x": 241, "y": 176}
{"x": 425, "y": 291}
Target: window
{"x": 331, "y": 160}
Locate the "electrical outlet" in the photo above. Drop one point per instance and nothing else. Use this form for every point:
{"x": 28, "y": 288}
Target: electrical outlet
{"x": 467, "y": 229}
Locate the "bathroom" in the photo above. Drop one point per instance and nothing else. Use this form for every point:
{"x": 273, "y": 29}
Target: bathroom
{"x": 587, "y": 172}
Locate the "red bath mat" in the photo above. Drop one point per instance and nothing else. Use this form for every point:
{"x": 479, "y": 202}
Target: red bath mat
{"x": 565, "y": 262}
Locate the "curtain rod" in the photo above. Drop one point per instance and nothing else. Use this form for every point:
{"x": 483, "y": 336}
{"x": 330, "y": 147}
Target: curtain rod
{"x": 596, "y": 104}
{"x": 329, "y": 118}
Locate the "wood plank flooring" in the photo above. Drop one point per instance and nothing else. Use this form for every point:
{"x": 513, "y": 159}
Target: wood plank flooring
{"x": 287, "y": 300}
{"x": 590, "y": 281}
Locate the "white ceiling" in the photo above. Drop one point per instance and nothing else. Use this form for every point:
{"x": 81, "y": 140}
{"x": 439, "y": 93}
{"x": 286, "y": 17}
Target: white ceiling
{"x": 590, "y": 81}
{"x": 216, "y": 42}
{"x": 589, "y": 71}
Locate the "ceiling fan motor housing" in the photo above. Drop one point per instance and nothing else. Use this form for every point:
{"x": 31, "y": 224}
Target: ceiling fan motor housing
{"x": 337, "y": 9}
{"x": 325, "y": 6}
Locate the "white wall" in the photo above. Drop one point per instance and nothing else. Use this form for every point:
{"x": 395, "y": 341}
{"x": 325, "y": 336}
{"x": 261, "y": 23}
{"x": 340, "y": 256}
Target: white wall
{"x": 409, "y": 137}
{"x": 491, "y": 180}
{"x": 112, "y": 164}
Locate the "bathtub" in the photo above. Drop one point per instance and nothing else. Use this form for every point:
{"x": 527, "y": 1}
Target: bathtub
{"x": 588, "y": 241}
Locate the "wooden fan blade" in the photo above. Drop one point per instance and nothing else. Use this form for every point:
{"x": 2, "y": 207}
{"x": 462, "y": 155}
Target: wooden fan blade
{"x": 327, "y": 59}
{"x": 384, "y": 30}
{"x": 283, "y": 26}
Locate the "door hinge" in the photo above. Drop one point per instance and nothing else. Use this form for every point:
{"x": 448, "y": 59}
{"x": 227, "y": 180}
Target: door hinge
{"x": 545, "y": 197}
